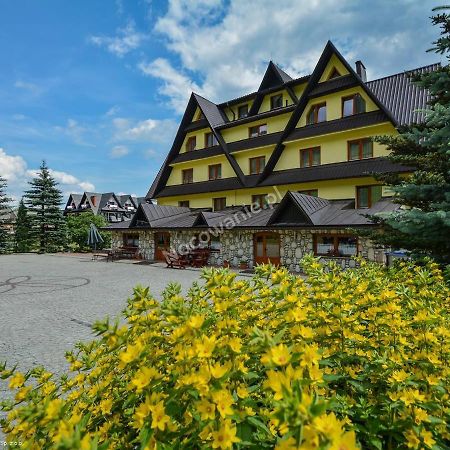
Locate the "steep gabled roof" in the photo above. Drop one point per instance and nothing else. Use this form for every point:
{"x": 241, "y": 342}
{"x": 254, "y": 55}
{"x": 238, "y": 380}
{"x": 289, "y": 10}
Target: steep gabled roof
{"x": 274, "y": 77}
{"x": 296, "y": 209}
{"x": 313, "y": 81}
{"x": 401, "y": 96}
{"x": 152, "y": 213}
{"x": 75, "y": 199}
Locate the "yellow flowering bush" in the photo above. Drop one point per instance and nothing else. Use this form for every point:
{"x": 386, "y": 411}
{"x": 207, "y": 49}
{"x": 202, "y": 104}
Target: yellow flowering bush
{"x": 340, "y": 360}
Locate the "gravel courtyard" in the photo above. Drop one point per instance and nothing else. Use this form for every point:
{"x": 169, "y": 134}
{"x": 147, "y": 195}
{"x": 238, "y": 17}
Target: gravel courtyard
{"x": 47, "y": 302}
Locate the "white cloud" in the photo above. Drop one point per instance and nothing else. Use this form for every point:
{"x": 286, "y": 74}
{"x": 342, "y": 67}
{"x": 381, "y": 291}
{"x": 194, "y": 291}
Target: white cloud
{"x": 119, "y": 151}
{"x": 112, "y": 111}
{"x": 12, "y": 168}
{"x": 32, "y": 88}
{"x": 15, "y": 170}
{"x": 150, "y": 130}
{"x": 227, "y": 45}
{"x": 76, "y": 132}
{"x": 126, "y": 40}
{"x": 176, "y": 85}
{"x": 150, "y": 153}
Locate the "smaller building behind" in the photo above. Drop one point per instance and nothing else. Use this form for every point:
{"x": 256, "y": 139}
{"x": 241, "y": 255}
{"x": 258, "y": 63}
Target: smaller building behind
{"x": 114, "y": 208}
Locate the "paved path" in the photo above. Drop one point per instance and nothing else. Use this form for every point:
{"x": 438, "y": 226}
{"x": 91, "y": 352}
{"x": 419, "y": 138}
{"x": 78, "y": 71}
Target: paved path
{"x": 47, "y": 303}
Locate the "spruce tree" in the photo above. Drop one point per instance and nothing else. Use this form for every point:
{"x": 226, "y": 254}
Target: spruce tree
{"x": 4, "y": 211}
{"x": 47, "y": 224}
{"x": 23, "y": 242}
{"x": 422, "y": 225}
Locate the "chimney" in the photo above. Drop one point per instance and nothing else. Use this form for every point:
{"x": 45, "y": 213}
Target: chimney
{"x": 93, "y": 199}
{"x": 361, "y": 70}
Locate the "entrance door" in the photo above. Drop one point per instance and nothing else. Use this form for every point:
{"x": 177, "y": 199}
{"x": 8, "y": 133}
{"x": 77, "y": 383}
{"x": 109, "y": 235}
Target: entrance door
{"x": 266, "y": 248}
{"x": 162, "y": 242}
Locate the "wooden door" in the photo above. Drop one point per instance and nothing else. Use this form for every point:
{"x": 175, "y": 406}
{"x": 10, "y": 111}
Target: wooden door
{"x": 266, "y": 248}
{"x": 162, "y": 242}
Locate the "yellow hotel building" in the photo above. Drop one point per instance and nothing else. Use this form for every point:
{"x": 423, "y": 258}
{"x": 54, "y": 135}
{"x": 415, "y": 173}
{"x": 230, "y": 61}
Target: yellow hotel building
{"x": 282, "y": 171}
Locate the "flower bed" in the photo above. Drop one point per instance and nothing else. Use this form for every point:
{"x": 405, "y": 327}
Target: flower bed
{"x": 342, "y": 360}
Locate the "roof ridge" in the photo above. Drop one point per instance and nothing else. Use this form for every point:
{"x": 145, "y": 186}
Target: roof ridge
{"x": 404, "y": 72}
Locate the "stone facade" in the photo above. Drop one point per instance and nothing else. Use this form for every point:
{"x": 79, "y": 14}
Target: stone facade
{"x": 236, "y": 246}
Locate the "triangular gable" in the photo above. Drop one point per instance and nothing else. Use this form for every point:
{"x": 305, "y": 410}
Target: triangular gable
{"x": 296, "y": 209}
{"x": 324, "y": 59}
{"x": 140, "y": 219}
{"x": 334, "y": 67}
{"x": 72, "y": 202}
{"x": 86, "y": 200}
{"x": 214, "y": 117}
{"x": 200, "y": 221}
{"x": 273, "y": 77}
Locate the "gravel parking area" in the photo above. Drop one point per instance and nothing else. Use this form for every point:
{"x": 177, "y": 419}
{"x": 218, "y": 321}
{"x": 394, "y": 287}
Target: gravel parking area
{"x": 47, "y": 302}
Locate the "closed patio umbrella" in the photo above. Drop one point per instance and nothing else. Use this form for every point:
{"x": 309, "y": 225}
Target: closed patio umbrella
{"x": 94, "y": 236}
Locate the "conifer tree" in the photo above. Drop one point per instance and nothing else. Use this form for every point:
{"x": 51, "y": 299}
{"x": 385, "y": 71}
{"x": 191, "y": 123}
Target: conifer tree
{"x": 47, "y": 224}
{"x": 4, "y": 210}
{"x": 23, "y": 242}
{"x": 422, "y": 225}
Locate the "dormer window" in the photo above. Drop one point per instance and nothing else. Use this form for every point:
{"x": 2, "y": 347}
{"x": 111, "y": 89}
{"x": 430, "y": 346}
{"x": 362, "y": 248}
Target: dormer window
{"x": 353, "y": 104}
{"x": 210, "y": 140}
{"x": 317, "y": 113}
{"x": 334, "y": 74}
{"x": 242, "y": 111}
{"x": 367, "y": 196}
{"x": 191, "y": 143}
{"x": 258, "y": 130}
{"x": 276, "y": 101}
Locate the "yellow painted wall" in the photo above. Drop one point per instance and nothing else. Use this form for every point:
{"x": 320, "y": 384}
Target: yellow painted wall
{"x": 274, "y": 124}
{"x": 235, "y": 108}
{"x": 243, "y": 157}
{"x": 265, "y": 105}
{"x": 332, "y": 190}
{"x": 334, "y": 104}
{"x": 332, "y": 63}
{"x": 200, "y": 167}
{"x": 298, "y": 90}
{"x": 333, "y": 147}
{"x": 200, "y": 138}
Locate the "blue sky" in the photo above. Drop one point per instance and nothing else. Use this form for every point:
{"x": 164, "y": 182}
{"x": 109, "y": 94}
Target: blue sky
{"x": 96, "y": 87}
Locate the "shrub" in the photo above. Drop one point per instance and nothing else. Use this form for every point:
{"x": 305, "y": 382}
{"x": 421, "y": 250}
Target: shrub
{"x": 78, "y": 230}
{"x": 342, "y": 360}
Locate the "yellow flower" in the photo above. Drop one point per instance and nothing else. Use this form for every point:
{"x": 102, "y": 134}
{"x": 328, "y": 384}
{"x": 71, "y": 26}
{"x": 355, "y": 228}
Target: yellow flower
{"x": 412, "y": 441}
{"x": 399, "y": 376}
{"x": 287, "y": 444}
{"x": 345, "y": 442}
{"x": 159, "y": 417}
{"x": 17, "y": 381}
{"x": 205, "y": 346}
{"x": 106, "y": 405}
{"x": 218, "y": 371}
{"x": 225, "y": 437}
{"x": 22, "y": 393}
{"x": 427, "y": 437}
{"x": 85, "y": 443}
{"x": 196, "y": 321}
{"x": 278, "y": 355}
{"x": 53, "y": 409}
{"x": 143, "y": 377}
{"x": 131, "y": 353}
{"x": 242, "y": 392}
{"x": 235, "y": 344}
{"x": 223, "y": 400}
{"x": 206, "y": 409}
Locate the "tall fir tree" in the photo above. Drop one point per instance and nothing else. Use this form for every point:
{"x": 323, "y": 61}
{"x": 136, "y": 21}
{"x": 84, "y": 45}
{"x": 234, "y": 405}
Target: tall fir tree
{"x": 4, "y": 213}
{"x": 422, "y": 225}
{"x": 47, "y": 224}
{"x": 22, "y": 239}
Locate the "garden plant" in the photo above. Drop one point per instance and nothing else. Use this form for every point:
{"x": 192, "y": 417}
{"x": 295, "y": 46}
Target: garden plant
{"x": 338, "y": 360}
